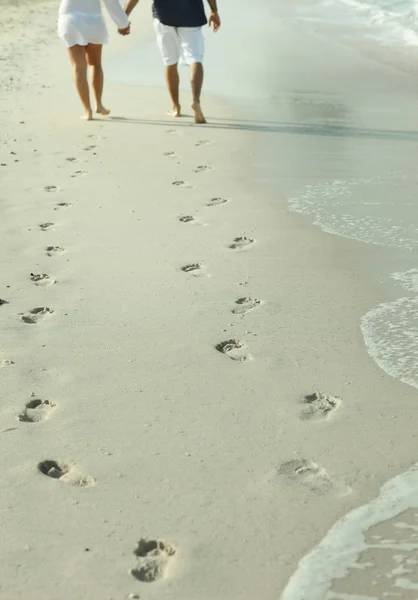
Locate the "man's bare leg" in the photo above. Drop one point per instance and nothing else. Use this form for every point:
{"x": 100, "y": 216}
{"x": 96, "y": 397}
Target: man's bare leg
{"x": 79, "y": 62}
{"x": 196, "y": 79}
{"x": 173, "y": 82}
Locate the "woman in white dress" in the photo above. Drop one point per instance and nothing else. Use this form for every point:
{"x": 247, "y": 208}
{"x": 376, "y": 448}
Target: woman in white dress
{"x": 82, "y": 28}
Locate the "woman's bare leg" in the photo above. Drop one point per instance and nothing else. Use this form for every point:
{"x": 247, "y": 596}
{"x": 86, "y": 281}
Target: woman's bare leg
{"x": 78, "y": 60}
{"x": 94, "y": 59}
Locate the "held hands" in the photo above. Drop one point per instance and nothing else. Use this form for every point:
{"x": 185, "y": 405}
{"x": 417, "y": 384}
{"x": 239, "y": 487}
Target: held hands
{"x": 214, "y": 21}
{"x": 125, "y": 30}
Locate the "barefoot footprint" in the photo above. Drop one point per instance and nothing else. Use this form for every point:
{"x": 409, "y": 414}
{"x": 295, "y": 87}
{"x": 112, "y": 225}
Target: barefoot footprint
{"x": 46, "y": 226}
{"x": 65, "y": 473}
{"x": 54, "y": 250}
{"x": 180, "y": 183}
{"x": 202, "y": 169}
{"x": 5, "y": 363}
{"x": 217, "y": 201}
{"x": 240, "y": 243}
{"x": 61, "y": 205}
{"x": 154, "y": 558}
{"x": 312, "y": 476}
{"x": 246, "y": 304}
{"x": 42, "y": 279}
{"x": 196, "y": 269}
{"x": 235, "y": 350}
{"x": 187, "y": 219}
{"x": 319, "y": 406}
{"x": 36, "y": 410}
{"x": 36, "y": 315}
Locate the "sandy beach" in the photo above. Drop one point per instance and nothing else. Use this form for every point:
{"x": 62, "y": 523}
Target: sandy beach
{"x": 188, "y": 404}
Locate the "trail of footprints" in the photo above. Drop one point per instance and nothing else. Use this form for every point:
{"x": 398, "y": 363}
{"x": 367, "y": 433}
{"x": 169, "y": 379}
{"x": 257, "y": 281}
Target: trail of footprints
{"x": 317, "y": 406}
{"x": 153, "y": 558}
{"x": 37, "y": 410}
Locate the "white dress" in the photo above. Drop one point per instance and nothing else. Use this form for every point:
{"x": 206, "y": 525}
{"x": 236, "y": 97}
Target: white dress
{"x": 81, "y": 22}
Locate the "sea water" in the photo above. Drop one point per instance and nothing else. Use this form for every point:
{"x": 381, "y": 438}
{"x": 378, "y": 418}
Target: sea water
{"x": 388, "y": 21}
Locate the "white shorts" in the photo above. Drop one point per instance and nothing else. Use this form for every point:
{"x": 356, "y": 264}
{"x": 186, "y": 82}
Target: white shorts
{"x": 174, "y": 43}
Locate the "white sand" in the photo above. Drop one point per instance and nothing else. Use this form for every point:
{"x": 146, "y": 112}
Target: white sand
{"x": 159, "y": 436}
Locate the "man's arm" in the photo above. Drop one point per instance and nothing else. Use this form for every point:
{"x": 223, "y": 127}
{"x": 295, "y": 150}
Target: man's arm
{"x": 130, "y": 5}
{"x": 214, "y": 19}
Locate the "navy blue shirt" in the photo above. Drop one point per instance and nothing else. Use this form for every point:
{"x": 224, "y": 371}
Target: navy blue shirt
{"x": 180, "y": 13}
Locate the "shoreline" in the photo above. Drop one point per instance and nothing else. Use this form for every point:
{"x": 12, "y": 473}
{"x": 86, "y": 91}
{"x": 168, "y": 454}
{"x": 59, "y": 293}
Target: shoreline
{"x": 184, "y": 444}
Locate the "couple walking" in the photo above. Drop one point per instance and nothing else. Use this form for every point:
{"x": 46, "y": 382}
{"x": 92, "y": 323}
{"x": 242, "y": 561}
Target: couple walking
{"x": 178, "y": 25}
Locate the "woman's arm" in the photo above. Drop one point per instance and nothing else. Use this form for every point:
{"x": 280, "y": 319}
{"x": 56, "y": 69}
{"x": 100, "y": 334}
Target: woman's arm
{"x": 130, "y": 5}
{"x": 117, "y": 13}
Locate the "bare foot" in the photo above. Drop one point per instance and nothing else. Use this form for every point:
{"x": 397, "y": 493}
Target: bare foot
{"x": 88, "y": 116}
{"x": 101, "y": 110}
{"x": 199, "y": 117}
{"x": 176, "y": 112}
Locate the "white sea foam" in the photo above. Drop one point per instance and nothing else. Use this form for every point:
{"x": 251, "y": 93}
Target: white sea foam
{"x": 408, "y": 279}
{"x": 390, "y": 333}
{"x": 370, "y": 554}
{"x": 390, "y": 22}
{"x": 343, "y": 208}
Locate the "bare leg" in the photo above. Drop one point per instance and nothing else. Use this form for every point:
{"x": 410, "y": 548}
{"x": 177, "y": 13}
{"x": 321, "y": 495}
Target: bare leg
{"x": 78, "y": 60}
{"x": 196, "y": 79}
{"x": 94, "y": 58}
{"x": 173, "y": 82}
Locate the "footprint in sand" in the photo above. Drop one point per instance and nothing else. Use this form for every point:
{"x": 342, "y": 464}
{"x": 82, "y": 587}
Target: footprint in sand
{"x": 78, "y": 174}
{"x": 46, "y": 226}
{"x": 202, "y": 169}
{"x": 36, "y": 315}
{"x": 203, "y": 143}
{"x": 180, "y": 183}
{"x": 240, "y": 243}
{"x": 42, "y": 279}
{"x": 62, "y": 205}
{"x": 195, "y": 269}
{"x": 65, "y": 473}
{"x": 319, "y": 406}
{"x": 54, "y": 250}
{"x": 51, "y": 188}
{"x": 312, "y": 476}
{"x": 217, "y": 201}
{"x": 88, "y": 148}
{"x": 6, "y": 363}
{"x": 246, "y": 304}
{"x": 170, "y": 154}
{"x": 154, "y": 558}
{"x": 235, "y": 350}
{"x": 187, "y": 219}
{"x": 71, "y": 159}
{"x": 3, "y": 302}
{"x": 173, "y": 131}
{"x": 36, "y": 410}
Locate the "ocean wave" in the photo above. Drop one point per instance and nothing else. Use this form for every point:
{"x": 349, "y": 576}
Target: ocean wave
{"x": 369, "y": 553}
{"x": 344, "y": 208}
{"x": 391, "y": 22}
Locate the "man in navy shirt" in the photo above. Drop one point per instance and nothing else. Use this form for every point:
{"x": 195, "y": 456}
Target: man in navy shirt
{"x": 178, "y": 24}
